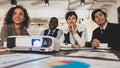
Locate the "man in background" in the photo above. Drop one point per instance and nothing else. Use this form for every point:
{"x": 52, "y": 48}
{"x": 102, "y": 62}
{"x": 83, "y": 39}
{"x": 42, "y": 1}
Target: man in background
{"x": 53, "y": 30}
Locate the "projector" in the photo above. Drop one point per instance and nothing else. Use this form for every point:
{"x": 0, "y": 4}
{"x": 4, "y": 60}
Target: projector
{"x": 33, "y": 43}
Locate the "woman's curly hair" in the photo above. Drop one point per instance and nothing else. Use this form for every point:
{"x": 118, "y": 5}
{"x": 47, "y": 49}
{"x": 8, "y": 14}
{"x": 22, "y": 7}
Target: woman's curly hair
{"x": 8, "y": 19}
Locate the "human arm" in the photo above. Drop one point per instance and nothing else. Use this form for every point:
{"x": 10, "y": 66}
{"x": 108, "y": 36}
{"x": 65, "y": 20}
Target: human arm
{"x": 4, "y": 33}
{"x": 59, "y": 34}
{"x": 95, "y": 43}
{"x": 42, "y": 33}
{"x": 78, "y": 33}
{"x": 97, "y": 38}
{"x": 80, "y": 40}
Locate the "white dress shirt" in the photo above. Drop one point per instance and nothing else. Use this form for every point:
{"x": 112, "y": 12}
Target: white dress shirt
{"x": 80, "y": 40}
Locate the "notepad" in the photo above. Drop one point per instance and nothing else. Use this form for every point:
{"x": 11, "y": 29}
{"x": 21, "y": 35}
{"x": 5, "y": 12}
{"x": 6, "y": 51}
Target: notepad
{"x": 19, "y": 58}
{"x": 103, "y": 55}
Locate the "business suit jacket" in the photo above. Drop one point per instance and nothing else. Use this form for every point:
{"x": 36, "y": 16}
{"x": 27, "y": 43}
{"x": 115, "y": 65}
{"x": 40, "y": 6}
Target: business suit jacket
{"x": 110, "y": 35}
{"x": 9, "y": 30}
{"x": 57, "y": 33}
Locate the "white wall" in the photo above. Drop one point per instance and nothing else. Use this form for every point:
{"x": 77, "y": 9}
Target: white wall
{"x": 60, "y": 13}
{"x": 46, "y": 13}
{"x": 112, "y": 12}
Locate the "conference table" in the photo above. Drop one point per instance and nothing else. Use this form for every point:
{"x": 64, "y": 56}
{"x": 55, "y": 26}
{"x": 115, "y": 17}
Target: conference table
{"x": 62, "y": 53}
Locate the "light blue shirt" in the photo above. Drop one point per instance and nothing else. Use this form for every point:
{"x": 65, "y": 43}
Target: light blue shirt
{"x": 59, "y": 33}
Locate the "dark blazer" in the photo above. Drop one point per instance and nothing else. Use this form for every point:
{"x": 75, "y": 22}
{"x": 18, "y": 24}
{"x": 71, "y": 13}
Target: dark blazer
{"x": 110, "y": 35}
{"x": 54, "y": 34}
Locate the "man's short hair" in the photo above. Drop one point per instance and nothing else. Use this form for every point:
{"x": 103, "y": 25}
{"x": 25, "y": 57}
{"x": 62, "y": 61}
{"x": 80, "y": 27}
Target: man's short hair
{"x": 55, "y": 20}
{"x": 95, "y": 11}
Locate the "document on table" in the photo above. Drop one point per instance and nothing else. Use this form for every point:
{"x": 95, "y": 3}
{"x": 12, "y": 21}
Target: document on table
{"x": 19, "y": 58}
{"x": 70, "y": 62}
{"x": 103, "y": 55}
{"x": 75, "y": 48}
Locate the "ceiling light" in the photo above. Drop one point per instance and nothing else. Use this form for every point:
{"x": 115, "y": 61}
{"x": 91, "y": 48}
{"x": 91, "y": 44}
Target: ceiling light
{"x": 46, "y": 2}
{"x": 82, "y": 2}
{"x": 14, "y": 3}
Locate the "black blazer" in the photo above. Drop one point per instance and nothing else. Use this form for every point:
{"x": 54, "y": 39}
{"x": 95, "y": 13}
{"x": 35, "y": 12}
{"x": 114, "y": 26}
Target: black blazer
{"x": 110, "y": 35}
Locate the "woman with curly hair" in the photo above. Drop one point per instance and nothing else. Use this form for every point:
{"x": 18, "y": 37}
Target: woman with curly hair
{"x": 16, "y": 23}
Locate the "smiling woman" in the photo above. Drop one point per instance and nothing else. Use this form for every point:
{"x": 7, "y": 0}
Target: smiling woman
{"x": 16, "y": 23}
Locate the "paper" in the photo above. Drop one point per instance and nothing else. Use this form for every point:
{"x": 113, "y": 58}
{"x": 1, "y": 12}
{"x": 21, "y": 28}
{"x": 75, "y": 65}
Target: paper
{"x": 69, "y": 48}
{"x": 102, "y": 55}
{"x": 70, "y": 62}
{"x": 103, "y": 48}
{"x": 75, "y": 48}
{"x": 18, "y": 58}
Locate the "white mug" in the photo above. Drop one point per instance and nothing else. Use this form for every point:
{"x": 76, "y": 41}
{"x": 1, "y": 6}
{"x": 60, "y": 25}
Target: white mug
{"x": 5, "y": 44}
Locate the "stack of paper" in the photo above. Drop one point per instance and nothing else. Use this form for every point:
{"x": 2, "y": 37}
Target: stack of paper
{"x": 19, "y": 58}
{"x": 103, "y": 55}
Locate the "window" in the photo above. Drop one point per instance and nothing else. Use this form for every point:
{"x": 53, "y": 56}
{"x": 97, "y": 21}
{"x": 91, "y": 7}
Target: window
{"x": 118, "y": 15}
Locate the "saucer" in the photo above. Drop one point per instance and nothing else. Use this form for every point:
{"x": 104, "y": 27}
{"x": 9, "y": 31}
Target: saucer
{"x": 69, "y": 48}
{"x": 103, "y": 48}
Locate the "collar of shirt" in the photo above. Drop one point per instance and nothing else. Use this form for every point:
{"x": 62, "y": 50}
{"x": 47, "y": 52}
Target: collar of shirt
{"x": 104, "y": 26}
{"x": 72, "y": 40}
{"x": 52, "y": 30}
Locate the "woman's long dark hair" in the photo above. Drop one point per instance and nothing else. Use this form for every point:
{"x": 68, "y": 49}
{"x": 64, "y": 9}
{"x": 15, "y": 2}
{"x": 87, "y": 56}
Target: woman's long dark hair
{"x": 8, "y": 19}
